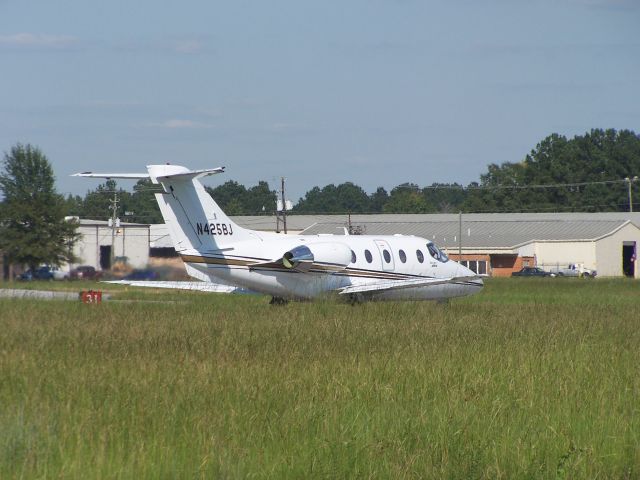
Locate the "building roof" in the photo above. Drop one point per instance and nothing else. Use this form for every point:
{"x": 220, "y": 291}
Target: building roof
{"x": 295, "y": 223}
{"x": 484, "y": 234}
{"x": 159, "y": 234}
{"x": 497, "y": 231}
{"x": 302, "y": 222}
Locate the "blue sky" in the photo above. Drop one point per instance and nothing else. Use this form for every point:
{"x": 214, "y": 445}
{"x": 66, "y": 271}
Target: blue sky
{"x": 376, "y": 92}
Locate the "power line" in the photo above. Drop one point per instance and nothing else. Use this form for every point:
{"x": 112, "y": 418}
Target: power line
{"x": 575, "y": 208}
{"x": 471, "y": 186}
{"x": 550, "y": 185}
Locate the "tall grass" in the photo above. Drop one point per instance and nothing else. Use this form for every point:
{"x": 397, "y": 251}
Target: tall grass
{"x": 529, "y": 379}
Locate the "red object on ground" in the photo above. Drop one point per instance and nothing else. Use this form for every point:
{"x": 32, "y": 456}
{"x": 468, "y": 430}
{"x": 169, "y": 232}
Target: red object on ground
{"x": 91, "y": 296}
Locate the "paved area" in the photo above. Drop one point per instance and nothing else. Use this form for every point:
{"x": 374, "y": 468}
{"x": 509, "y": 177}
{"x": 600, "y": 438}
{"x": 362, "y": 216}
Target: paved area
{"x": 42, "y": 294}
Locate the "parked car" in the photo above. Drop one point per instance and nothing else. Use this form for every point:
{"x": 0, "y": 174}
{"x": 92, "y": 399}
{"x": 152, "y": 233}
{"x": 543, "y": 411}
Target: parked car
{"x": 142, "y": 275}
{"x": 574, "y": 270}
{"x": 532, "y": 272}
{"x": 84, "y": 272}
{"x": 40, "y": 273}
{"x": 59, "y": 274}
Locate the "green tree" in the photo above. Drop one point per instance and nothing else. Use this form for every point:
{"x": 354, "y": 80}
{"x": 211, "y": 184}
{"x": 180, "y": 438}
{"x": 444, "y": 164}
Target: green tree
{"x": 345, "y": 198}
{"x": 316, "y": 200}
{"x": 377, "y": 200}
{"x": 260, "y": 200}
{"x": 407, "y": 198}
{"x": 33, "y": 229}
{"x": 352, "y": 198}
{"x": 236, "y": 199}
{"x": 229, "y": 196}
{"x": 584, "y": 173}
{"x": 97, "y": 203}
{"x": 74, "y": 205}
{"x": 445, "y": 197}
{"x": 498, "y": 189}
{"x": 143, "y": 203}
{"x": 137, "y": 207}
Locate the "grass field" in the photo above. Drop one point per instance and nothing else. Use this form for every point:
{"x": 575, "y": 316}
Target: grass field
{"x": 529, "y": 379}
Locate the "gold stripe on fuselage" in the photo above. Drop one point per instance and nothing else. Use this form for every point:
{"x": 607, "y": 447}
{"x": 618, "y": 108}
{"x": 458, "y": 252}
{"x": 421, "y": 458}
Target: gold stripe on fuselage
{"x": 316, "y": 268}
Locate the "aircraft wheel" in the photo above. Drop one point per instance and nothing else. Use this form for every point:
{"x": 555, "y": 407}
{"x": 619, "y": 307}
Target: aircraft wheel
{"x": 279, "y": 301}
{"x": 356, "y": 299}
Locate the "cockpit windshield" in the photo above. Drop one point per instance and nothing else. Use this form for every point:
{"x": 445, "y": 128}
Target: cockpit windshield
{"x": 436, "y": 253}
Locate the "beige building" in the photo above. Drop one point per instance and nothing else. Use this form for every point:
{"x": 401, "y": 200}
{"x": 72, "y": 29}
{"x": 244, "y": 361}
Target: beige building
{"x": 97, "y": 238}
{"x": 494, "y": 244}
{"x": 499, "y": 244}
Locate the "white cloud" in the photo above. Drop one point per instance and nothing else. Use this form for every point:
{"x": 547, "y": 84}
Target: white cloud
{"x": 167, "y": 45}
{"x": 181, "y": 123}
{"x": 37, "y": 40}
{"x": 281, "y": 127}
{"x": 613, "y": 4}
{"x": 188, "y": 46}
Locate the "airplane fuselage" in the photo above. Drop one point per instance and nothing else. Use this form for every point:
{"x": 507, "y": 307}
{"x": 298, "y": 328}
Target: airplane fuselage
{"x": 356, "y": 267}
{"x": 371, "y": 259}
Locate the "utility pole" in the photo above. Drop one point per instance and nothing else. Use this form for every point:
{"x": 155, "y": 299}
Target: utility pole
{"x": 460, "y": 236}
{"x": 284, "y": 207}
{"x": 630, "y": 181}
{"x": 114, "y": 216}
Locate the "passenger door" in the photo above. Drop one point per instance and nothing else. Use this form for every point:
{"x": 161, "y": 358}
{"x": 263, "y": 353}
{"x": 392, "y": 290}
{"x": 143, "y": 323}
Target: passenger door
{"x": 388, "y": 262}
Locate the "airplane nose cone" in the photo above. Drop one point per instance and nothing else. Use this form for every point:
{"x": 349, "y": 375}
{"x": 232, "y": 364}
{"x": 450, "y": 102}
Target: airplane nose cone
{"x": 472, "y": 286}
{"x": 462, "y": 271}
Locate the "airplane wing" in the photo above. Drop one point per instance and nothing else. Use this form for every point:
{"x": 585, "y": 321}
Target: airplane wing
{"x": 401, "y": 284}
{"x": 302, "y": 266}
{"x": 196, "y": 286}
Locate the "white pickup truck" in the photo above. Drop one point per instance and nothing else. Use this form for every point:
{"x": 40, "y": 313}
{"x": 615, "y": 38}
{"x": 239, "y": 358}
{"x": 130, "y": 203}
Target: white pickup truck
{"x": 573, "y": 270}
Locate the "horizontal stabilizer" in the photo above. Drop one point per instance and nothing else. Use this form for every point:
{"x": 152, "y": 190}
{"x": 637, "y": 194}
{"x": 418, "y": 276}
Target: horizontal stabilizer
{"x": 182, "y": 173}
{"x": 131, "y": 176}
{"x": 205, "y": 172}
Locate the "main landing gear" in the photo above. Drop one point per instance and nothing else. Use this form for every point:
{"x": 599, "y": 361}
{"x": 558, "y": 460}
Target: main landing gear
{"x": 279, "y": 301}
{"x": 356, "y": 299}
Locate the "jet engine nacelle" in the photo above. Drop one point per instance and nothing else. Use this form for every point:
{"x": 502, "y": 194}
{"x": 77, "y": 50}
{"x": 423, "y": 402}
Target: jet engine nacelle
{"x": 302, "y": 258}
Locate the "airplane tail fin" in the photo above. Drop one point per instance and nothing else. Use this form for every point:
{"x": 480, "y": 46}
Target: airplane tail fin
{"x": 194, "y": 219}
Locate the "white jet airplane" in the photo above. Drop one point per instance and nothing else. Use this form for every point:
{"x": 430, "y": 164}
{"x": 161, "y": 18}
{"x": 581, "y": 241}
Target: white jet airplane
{"x": 355, "y": 267}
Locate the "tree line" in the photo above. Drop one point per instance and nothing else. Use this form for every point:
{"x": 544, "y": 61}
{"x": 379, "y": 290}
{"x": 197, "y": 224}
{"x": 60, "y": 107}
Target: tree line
{"x": 584, "y": 173}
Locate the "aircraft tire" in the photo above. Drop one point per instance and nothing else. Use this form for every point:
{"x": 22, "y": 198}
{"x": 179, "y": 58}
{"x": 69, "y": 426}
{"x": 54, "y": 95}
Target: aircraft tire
{"x": 278, "y": 301}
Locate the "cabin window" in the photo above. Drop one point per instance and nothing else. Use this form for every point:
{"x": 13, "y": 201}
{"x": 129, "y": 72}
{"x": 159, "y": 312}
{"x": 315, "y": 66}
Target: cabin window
{"x": 420, "y": 256}
{"x": 436, "y": 253}
{"x": 403, "y": 256}
{"x": 353, "y": 257}
{"x": 367, "y": 255}
{"x": 386, "y": 255}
